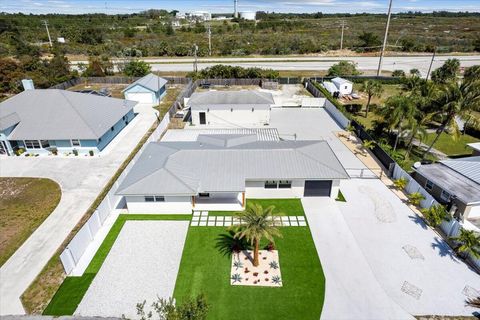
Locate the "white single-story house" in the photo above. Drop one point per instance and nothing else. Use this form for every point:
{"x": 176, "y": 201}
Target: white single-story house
{"x": 43, "y": 120}
{"x": 344, "y": 86}
{"x": 149, "y": 89}
{"x": 331, "y": 88}
{"x": 230, "y": 108}
{"x": 218, "y": 172}
{"x": 454, "y": 182}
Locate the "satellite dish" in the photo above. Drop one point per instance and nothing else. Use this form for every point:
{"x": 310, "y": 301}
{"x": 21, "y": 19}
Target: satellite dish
{"x": 417, "y": 165}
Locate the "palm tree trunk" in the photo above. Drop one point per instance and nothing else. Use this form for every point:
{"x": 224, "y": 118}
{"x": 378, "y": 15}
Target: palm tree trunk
{"x": 439, "y": 132}
{"x": 255, "y": 253}
{"x": 368, "y": 106}
{"x": 399, "y": 131}
{"x": 410, "y": 144}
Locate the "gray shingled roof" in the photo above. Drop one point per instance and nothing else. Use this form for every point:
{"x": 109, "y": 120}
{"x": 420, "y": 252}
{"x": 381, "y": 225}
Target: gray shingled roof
{"x": 187, "y": 168}
{"x": 231, "y": 99}
{"x": 150, "y": 81}
{"x": 58, "y": 114}
{"x": 460, "y": 177}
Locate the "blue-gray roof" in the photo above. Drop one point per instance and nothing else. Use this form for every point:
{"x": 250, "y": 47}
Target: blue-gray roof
{"x": 151, "y": 82}
{"x": 51, "y": 114}
{"x": 187, "y": 168}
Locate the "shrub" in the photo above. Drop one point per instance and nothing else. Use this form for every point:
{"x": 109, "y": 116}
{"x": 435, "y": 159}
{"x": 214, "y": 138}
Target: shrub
{"x": 137, "y": 68}
{"x": 54, "y": 151}
{"x": 415, "y": 198}
{"x": 400, "y": 183}
{"x": 75, "y": 152}
{"x": 19, "y": 151}
{"x": 91, "y": 153}
{"x": 398, "y": 73}
{"x": 435, "y": 215}
{"x": 343, "y": 68}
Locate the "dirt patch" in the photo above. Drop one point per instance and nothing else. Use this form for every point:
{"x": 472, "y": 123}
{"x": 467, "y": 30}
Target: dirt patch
{"x": 114, "y": 89}
{"x": 24, "y": 204}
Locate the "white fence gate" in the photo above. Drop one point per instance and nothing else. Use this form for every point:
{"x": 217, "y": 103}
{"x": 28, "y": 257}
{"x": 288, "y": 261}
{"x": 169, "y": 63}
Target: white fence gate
{"x": 84, "y": 237}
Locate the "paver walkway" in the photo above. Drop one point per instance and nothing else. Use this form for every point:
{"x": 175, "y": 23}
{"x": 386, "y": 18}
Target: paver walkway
{"x": 202, "y": 219}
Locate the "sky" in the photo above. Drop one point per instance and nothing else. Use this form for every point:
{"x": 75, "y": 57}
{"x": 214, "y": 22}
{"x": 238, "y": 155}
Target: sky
{"x": 222, "y": 6}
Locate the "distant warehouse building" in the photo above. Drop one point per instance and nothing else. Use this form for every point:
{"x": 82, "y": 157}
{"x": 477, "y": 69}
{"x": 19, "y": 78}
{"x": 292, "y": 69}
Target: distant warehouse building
{"x": 230, "y": 108}
{"x": 40, "y": 121}
{"x": 248, "y": 15}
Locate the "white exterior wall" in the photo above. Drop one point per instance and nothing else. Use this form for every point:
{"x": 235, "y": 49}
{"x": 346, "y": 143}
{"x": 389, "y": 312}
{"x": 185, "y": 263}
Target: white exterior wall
{"x": 472, "y": 212}
{"x": 227, "y": 117}
{"x": 345, "y": 88}
{"x": 335, "y": 189}
{"x": 171, "y": 205}
{"x": 256, "y": 190}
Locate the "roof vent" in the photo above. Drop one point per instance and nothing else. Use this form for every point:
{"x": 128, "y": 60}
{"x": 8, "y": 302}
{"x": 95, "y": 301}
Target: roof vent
{"x": 28, "y": 84}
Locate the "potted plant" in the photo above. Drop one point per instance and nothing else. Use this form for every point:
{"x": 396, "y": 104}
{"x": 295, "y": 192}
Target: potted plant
{"x": 400, "y": 183}
{"x": 415, "y": 198}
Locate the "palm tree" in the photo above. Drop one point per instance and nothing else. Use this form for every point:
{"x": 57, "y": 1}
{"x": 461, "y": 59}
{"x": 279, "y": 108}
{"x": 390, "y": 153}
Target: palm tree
{"x": 257, "y": 223}
{"x": 415, "y": 198}
{"x": 469, "y": 243}
{"x": 372, "y": 89}
{"x": 397, "y": 111}
{"x": 418, "y": 128}
{"x": 456, "y": 99}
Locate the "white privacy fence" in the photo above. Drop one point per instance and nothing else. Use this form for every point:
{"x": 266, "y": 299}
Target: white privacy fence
{"x": 84, "y": 237}
{"x": 337, "y": 115}
{"x": 451, "y": 228}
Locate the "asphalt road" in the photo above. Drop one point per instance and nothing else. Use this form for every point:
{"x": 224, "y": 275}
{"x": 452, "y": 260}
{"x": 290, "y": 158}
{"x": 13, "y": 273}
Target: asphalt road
{"x": 405, "y": 63}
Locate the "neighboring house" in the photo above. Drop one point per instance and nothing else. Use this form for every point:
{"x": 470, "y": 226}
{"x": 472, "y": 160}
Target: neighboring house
{"x": 41, "y": 120}
{"x": 149, "y": 89}
{"x": 230, "y": 108}
{"x": 344, "y": 86}
{"x": 455, "y": 182}
{"x": 218, "y": 172}
{"x": 476, "y": 148}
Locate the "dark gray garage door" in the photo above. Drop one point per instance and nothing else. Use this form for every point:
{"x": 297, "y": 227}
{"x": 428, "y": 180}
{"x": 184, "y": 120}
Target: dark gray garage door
{"x": 314, "y": 188}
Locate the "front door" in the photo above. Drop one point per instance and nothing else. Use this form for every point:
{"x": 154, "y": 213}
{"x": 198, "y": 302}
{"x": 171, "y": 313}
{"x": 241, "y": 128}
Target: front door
{"x": 203, "y": 117}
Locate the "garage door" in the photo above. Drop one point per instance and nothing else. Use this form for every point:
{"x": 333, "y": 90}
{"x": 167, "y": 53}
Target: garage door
{"x": 315, "y": 188}
{"x": 142, "y": 97}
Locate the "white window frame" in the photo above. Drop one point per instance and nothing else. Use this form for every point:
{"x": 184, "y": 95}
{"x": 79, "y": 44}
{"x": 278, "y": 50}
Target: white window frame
{"x": 32, "y": 143}
{"x": 79, "y": 143}
{"x": 285, "y": 184}
{"x": 444, "y": 196}
{"x": 159, "y": 199}
{"x": 270, "y": 184}
{"x": 47, "y": 144}
{"x": 149, "y": 198}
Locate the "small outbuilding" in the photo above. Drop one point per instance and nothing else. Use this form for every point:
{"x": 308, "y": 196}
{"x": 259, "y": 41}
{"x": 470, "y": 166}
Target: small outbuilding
{"x": 149, "y": 89}
{"x": 330, "y": 87}
{"x": 344, "y": 86}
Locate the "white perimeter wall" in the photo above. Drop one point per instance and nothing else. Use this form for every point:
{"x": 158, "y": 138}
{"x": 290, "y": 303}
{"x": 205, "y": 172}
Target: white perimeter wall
{"x": 227, "y": 117}
{"x": 171, "y": 205}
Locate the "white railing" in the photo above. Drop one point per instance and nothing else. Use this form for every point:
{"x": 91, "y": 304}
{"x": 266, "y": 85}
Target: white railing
{"x": 85, "y": 236}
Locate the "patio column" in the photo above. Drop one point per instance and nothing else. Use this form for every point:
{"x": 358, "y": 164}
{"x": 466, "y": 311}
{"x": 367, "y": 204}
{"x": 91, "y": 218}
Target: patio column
{"x": 193, "y": 201}
{"x": 243, "y": 199}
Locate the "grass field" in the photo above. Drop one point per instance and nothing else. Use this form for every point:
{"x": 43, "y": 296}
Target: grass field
{"x": 24, "y": 204}
{"x": 283, "y": 207}
{"x": 70, "y": 294}
{"x": 451, "y": 147}
{"x": 204, "y": 269}
{"x": 115, "y": 89}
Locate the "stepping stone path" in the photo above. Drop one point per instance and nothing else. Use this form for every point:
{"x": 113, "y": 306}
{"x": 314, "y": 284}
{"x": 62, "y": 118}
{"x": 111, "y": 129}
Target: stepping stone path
{"x": 202, "y": 219}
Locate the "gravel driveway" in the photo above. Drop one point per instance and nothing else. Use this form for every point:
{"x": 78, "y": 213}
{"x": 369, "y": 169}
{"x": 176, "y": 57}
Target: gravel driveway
{"x": 142, "y": 264}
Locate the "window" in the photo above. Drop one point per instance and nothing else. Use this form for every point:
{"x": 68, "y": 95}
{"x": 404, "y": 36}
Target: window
{"x": 231, "y": 109}
{"x": 429, "y": 185}
{"x": 154, "y": 199}
{"x": 75, "y": 142}
{"x": 32, "y": 144}
{"x": 149, "y": 199}
{"x": 270, "y": 184}
{"x": 45, "y": 143}
{"x": 112, "y": 128}
{"x": 204, "y": 194}
{"x": 159, "y": 198}
{"x": 445, "y": 195}
{"x": 253, "y": 109}
{"x": 285, "y": 184}
{"x": 123, "y": 118}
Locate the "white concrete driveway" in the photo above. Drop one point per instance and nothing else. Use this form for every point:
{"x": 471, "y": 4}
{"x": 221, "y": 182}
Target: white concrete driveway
{"x": 404, "y": 254}
{"x": 81, "y": 180}
{"x": 351, "y": 289}
{"x": 142, "y": 265}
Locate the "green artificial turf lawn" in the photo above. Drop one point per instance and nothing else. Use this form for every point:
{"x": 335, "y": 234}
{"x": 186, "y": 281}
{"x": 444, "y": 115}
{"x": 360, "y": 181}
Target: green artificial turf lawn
{"x": 283, "y": 207}
{"x": 70, "y": 294}
{"x": 204, "y": 269}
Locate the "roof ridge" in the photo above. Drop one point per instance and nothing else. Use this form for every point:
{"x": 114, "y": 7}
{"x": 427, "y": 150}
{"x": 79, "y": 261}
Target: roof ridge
{"x": 76, "y": 111}
{"x": 177, "y": 178}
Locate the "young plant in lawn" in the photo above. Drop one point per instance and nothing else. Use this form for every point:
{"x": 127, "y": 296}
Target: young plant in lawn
{"x": 276, "y": 279}
{"x": 237, "y": 278}
{"x": 274, "y": 265}
{"x": 238, "y": 265}
{"x": 415, "y": 198}
{"x": 256, "y": 223}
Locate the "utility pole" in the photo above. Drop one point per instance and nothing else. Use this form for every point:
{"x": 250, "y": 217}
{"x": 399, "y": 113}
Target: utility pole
{"x": 48, "y": 32}
{"x": 431, "y": 62}
{"x": 209, "y": 31}
{"x": 195, "y": 49}
{"x": 379, "y": 71}
{"x": 341, "y": 38}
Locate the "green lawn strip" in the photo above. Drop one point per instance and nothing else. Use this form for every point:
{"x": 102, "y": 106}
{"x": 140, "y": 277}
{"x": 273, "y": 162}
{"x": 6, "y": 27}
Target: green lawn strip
{"x": 283, "y": 207}
{"x": 72, "y": 290}
{"x": 340, "y": 197}
{"x": 451, "y": 147}
{"x": 203, "y": 269}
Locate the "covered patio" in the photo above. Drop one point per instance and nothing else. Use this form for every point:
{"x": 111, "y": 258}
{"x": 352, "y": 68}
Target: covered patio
{"x": 227, "y": 201}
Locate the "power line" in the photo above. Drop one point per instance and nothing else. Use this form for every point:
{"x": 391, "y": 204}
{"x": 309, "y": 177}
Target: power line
{"x": 385, "y": 38}
{"x": 48, "y": 32}
{"x": 431, "y": 62}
